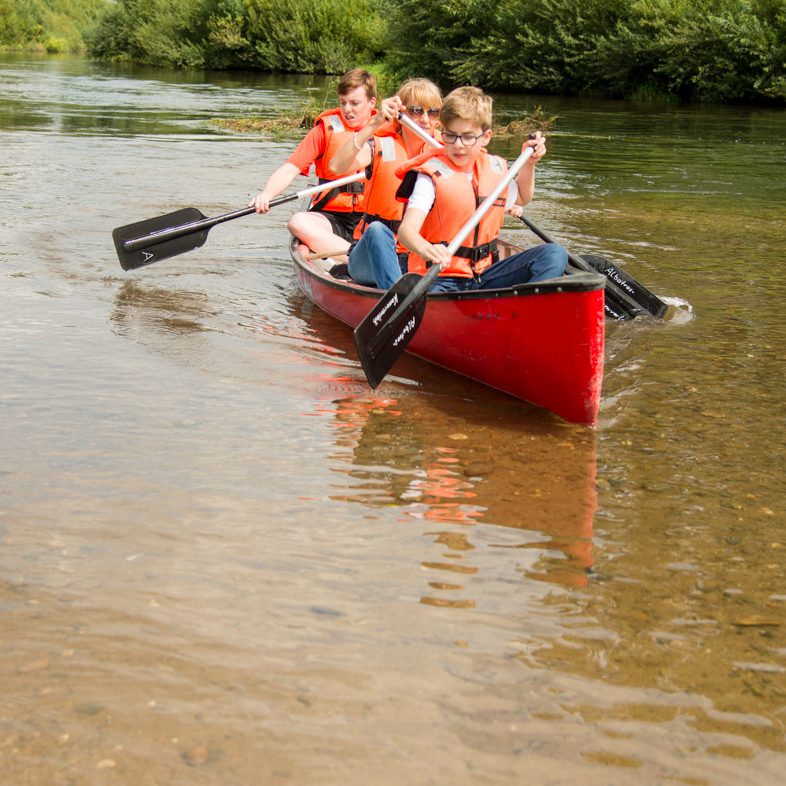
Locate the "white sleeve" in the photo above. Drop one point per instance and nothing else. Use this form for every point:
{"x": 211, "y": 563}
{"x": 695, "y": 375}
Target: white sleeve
{"x": 513, "y": 192}
{"x": 423, "y": 194}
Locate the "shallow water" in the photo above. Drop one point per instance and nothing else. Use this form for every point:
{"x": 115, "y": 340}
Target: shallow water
{"x": 226, "y": 561}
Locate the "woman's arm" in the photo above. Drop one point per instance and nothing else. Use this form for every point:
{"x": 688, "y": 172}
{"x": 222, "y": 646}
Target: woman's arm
{"x": 355, "y": 154}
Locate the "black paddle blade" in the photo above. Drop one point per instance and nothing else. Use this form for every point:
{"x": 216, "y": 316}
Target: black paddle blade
{"x": 386, "y": 330}
{"x": 130, "y": 260}
{"x": 649, "y": 301}
{"x": 614, "y": 309}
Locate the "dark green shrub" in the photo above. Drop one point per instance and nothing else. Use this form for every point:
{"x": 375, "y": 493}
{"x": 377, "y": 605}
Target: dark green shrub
{"x": 710, "y": 50}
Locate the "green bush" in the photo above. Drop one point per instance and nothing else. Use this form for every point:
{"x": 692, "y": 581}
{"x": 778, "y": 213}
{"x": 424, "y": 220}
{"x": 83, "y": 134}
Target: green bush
{"x": 705, "y": 50}
{"x": 708, "y": 50}
{"x": 307, "y": 36}
{"x": 51, "y": 25}
{"x": 303, "y": 36}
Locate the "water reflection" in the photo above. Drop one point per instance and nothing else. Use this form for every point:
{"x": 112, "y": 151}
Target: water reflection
{"x": 158, "y": 310}
{"x": 482, "y": 465}
{"x": 459, "y": 458}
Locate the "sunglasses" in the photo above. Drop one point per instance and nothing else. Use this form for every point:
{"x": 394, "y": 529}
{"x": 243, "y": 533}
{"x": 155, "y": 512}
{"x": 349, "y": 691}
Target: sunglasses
{"x": 417, "y": 111}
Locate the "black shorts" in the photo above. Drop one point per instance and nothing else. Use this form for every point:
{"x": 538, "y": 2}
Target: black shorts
{"x": 343, "y": 223}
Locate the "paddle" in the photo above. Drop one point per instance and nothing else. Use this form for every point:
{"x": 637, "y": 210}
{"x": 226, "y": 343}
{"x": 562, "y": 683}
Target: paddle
{"x": 388, "y": 328}
{"x": 417, "y": 130}
{"x": 175, "y": 233}
{"x": 626, "y": 298}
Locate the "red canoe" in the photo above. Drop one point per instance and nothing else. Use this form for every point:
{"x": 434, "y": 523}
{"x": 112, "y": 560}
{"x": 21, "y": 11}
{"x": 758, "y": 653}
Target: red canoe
{"x": 542, "y": 343}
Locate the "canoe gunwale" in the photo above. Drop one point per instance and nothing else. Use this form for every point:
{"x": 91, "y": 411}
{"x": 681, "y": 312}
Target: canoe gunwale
{"x": 576, "y": 282}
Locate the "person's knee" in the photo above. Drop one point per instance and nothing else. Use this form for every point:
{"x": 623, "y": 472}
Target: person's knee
{"x": 379, "y": 233}
{"x": 555, "y": 259}
{"x": 297, "y": 223}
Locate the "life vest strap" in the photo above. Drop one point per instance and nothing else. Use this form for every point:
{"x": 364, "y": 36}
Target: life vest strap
{"x": 348, "y": 188}
{"x": 475, "y": 253}
{"x": 390, "y": 223}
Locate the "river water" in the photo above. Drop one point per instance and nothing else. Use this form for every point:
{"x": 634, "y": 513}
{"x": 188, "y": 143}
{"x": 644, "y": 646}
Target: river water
{"x": 226, "y": 561}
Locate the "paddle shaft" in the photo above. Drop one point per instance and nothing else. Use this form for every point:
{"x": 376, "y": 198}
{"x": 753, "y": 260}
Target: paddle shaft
{"x": 153, "y": 238}
{"x": 406, "y": 120}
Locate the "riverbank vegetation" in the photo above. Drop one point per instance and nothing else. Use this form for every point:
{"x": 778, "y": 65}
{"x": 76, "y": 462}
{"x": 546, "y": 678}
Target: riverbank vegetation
{"x": 48, "y": 25}
{"x": 296, "y": 36}
{"x": 694, "y": 50}
{"x": 687, "y": 50}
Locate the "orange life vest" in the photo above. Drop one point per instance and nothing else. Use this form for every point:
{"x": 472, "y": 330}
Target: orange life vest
{"x": 457, "y": 197}
{"x": 347, "y": 198}
{"x": 380, "y": 203}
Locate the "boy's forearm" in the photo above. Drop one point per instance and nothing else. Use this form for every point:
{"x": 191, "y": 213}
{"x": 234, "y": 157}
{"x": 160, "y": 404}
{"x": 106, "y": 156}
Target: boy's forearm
{"x": 410, "y": 238}
{"x": 525, "y": 181}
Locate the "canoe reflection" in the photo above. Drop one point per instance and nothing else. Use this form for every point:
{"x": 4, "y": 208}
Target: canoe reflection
{"x": 460, "y": 465}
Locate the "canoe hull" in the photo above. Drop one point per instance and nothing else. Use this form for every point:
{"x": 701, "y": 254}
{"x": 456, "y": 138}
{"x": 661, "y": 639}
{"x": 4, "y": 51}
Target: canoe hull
{"x": 543, "y": 343}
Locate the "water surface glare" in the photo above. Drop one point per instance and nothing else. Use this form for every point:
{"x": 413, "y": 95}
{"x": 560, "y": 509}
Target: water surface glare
{"x": 225, "y": 560}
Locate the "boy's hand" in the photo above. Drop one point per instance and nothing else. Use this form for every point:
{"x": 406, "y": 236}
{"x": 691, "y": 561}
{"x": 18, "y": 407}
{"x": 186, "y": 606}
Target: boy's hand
{"x": 260, "y": 203}
{"x": 437, "y": 254}
{"x": 538, "y": 143}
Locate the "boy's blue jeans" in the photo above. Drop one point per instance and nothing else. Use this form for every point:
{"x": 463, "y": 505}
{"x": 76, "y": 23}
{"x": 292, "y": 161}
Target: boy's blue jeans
{"x": 373, "y": 261}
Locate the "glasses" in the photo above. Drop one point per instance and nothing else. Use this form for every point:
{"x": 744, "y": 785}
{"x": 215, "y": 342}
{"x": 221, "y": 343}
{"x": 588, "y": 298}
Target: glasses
{"x": 466, "y": 139}
{"x": 417, "y": 111}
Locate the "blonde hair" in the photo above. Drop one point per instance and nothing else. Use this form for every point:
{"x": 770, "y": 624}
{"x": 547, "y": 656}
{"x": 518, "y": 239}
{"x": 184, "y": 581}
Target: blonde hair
{"x": 467, "y": 103}
{"x": 420, "y": 92}
{"x": 358, "y": 77}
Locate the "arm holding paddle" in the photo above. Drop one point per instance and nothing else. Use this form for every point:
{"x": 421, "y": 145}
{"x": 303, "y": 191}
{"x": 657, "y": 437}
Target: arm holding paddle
{"x": 409, "y": 235}
{"x": 526, "y": 178}
{"x": 145, "y": 242}
{"x": 276, "y": 183}
{"x": 355, "y": 154}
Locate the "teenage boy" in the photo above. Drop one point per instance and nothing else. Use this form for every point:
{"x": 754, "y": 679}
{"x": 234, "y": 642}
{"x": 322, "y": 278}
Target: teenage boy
{"x": 381, "y": 148}
{"x": 332, "y": 216}
{"x": 444, "y": 189}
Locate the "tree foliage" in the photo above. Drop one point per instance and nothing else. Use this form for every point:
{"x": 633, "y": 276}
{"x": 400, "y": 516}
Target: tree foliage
{"x": 706, "y": 50}
{"x": 54, "y": 25}
{"x": 692, "y": 50}
{"x": 302, "y": 36}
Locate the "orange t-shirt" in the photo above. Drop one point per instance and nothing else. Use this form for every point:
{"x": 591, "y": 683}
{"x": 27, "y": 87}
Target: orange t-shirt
{"x": 311, "y": 147}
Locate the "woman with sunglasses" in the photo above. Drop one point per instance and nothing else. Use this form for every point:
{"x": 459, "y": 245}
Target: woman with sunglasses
{"x": 381, "y": 148}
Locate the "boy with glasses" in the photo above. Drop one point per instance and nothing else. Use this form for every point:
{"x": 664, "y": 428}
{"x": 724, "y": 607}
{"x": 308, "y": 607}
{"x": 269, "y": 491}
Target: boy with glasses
{"x": 443, "y": 189}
